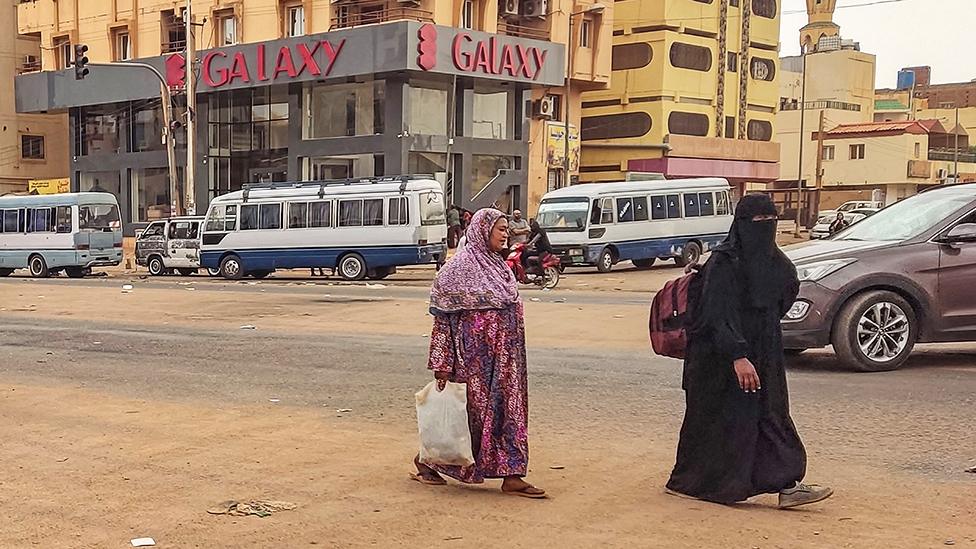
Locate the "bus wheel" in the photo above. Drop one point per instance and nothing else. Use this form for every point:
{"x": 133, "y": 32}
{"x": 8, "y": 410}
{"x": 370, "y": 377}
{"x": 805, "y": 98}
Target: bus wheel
{"x": 156, "y": 267}
{"x": 230, "y": 268}
{"x": 5, "y": 272}
{"x": 352, "y": 267}
{"x": 187, "y": 272}
{"x": 38, "y": 267}
{"x": 689, "y": 255}
{"x": 605, "y": 263}
{"x": 76, "y": 272}
{"x": 213, "y": 272}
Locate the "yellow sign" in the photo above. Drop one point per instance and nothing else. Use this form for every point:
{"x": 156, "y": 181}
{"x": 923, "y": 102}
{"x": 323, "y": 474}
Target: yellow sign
{"x": 556, "y": 146}
{"x": 49, "y": 186}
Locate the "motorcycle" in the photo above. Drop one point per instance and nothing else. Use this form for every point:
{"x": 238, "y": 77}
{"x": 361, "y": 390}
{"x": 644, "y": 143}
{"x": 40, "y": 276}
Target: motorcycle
{"x": 543, "y": 272}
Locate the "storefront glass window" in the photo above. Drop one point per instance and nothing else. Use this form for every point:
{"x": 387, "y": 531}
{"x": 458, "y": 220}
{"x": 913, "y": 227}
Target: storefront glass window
{"x": 147, "y": 127}
{"x": 428, "y": 110}
{"x": 484, "y": 169}
{"x": 99, "y": 129}
{"x": 150, "y": 194}
{"x": 345, "y": 110}
{"x": 101, "y": 182}
{"x": 490, "y": 115}
{"x": 342, "y": 167}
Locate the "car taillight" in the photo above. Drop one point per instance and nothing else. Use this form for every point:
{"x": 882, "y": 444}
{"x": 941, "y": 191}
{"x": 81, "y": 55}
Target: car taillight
{"x": 82, "y": 247}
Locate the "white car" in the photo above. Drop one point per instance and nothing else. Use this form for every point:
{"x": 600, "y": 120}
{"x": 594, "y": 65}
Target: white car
{"x": 822, "y": 228}
{"x": 849, "y": 207}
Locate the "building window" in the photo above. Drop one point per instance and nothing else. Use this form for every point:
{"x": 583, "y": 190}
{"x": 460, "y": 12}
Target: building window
{"x": 735, "y": 3}
{"x": 174, "y": 33}
{"x": 857, "y": 152}
{"x": 733, "y": 62}
{"x": 615, "y": 126}
{"x": 489, "y": 118}
{"x": 918, "y": 150}
{"x": 428, "y": 111}
{"x": 688, "y": 56}
{"x": 764, "y": 8}
{"x": 150, "y": 194}
{"x": 62, "y": 53}
{"x": 688, "y": 123}
{"x": 346, "y": 110}
{"x": 828, "y": 153}
{"x": 763, "y": 69}
{"x": 123, "y": 46}
{"x": 228, "y": 28}
{"x": 586, "y": 33}
{"x": 32, "y": 147}
{"x": 730, "y": 127}
{"x": 468, "y": 14}
{"x": 759, "y": 130}
{"x": 342, "y": 16}
{"x": 631, "y": 56}
{"x": 295, "y": 21}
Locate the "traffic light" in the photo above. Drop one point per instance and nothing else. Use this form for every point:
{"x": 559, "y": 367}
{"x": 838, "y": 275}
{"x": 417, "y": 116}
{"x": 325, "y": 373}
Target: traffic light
{"x": 81, "y": 61}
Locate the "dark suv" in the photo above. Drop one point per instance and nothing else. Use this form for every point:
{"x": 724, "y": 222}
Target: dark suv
{"x": 906, "y": 274}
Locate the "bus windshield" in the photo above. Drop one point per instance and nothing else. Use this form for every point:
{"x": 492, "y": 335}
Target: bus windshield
{"x": 98, "y": 217}
{"x": 563, "y": 214}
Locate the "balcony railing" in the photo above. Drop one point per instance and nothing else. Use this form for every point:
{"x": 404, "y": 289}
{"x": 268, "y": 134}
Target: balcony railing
{"x": 29, "y": 67}
{"x": 785, "y": 105}
{"x": 949, "y": 155}
{"x": 381, "y": 16}
{"x": 173, "y": 47}
{"x": 520, "y": 31}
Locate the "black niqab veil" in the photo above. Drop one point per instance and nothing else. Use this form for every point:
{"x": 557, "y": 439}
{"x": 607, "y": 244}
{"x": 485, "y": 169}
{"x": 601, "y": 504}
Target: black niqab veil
{"x": 752, "y": 245}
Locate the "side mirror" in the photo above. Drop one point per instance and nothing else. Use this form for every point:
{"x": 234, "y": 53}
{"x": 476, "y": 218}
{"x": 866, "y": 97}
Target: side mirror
{"x": 964, "y": 232}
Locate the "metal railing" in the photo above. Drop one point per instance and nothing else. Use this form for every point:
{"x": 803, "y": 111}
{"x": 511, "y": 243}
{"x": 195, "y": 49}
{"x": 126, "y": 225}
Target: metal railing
{"x": 520, "y": 31}
{"x": 949, "y": 155}
{"x": 356, "y": 19}
{"x": 817, "y": 105}
{"x": 175, "y": 46}
{"x": 29, "y": 67}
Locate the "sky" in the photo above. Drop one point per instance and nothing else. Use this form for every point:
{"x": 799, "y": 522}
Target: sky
{"x": 901, "y": 33}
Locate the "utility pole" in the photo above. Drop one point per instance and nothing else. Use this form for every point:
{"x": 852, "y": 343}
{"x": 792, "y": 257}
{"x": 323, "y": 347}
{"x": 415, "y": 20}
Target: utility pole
{"x": 820, "y": 153}
{"x": 189, "y": 172}
{"x": 955, "y": 170}
{"x": 799, "y": 169}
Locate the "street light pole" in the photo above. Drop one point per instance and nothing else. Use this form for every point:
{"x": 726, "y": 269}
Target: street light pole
{"x": 189, "y": 172}
{"x": 955, "y": 169}
{"x": 799, "y": 169}
{"x": 595, "y": 8}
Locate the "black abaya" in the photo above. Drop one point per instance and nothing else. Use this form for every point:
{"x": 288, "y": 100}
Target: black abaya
{"x": 735, "y": 445}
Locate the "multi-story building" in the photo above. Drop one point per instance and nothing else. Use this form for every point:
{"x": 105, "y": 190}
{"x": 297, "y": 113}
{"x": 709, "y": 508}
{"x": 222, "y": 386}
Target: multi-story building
{"x": 318, "y": 89}
{"x": 694, "y": 93}
{"x": 32, "y": 147}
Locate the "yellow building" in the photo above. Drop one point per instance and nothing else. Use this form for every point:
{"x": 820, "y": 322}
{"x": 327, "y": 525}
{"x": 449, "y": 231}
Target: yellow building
{"x": 312, "y": 89}
{"x": 32, "y": 147}
{"x": 693, "y": 93}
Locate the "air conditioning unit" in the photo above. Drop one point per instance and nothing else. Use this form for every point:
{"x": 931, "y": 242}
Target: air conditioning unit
{"x": 510, "y": 8}
{"x": 535, "y": 8}
{"x": 545, "y": 108}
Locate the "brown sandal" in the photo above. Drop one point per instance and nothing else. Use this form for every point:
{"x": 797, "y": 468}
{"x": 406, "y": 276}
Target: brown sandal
{"x": 530, "y": 492}
{"x": 428, "y": 480}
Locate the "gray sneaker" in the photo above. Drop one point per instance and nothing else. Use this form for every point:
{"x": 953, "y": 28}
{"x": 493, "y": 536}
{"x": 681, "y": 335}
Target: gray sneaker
{"x": 803, "y": 494}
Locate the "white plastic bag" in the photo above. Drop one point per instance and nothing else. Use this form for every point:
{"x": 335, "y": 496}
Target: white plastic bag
{"x": 442, "y": 419}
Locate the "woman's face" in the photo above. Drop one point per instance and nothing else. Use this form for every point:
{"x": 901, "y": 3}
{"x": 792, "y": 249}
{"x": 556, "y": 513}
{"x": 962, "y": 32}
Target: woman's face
{"x": 499, "y": 236}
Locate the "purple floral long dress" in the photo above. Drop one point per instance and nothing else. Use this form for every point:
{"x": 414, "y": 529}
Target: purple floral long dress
{"x": 486, "y": 350}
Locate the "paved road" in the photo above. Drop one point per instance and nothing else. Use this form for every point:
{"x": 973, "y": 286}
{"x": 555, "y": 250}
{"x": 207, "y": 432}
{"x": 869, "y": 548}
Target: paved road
{"x": 918, "y": 419}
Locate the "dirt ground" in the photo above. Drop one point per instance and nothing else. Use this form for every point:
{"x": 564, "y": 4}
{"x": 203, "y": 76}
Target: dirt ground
{"x": 95, "y": 463}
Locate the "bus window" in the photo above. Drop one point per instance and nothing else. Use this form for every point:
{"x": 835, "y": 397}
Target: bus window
{"x": 692, "y": 208}
{"x": 640, "y": 208}
{"x": 659, "y": 207}
{"x": 223, "y": 218}
{"x": 64, "y": 219}
{"x": 350, "y": 213}
{"x": 98, "y": 217}
{"x": 320, "y": 214}
{"x": 11, "y": 221}
{"x": 373, "y": 212}
{"x": 270, "y": 216}
{"x": 41, "y": 220}
{"x": 606, "y": 211}
{"x": 297, "y": 215}
{"x": 705, "y": 202}
{"x": 398, "y": 211}
{"x": 249, "y": 217}
{"x": 595, "y": 215}
{"x": 674, "y": 206}
{"x": 625, "y": 210}
{"x": 722, "y": 203}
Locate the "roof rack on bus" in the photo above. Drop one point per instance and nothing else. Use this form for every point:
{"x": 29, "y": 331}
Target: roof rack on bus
{"x": 402, "y": 179}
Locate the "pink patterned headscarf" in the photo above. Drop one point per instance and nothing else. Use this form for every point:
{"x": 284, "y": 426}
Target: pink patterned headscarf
{"x": 476, "y": 278}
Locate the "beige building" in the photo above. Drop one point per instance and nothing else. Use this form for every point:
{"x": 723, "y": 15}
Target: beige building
{"x": 31, "y": 146}
{"x": 470, "y": 90}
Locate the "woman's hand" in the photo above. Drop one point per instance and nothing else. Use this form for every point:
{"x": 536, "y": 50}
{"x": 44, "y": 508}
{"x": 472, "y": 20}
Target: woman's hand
{"x": 747, "y": 376}
{"x": 442, "y": 379}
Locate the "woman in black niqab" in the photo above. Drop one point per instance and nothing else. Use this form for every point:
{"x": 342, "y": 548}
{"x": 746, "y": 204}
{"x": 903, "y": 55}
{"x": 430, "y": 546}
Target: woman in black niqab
{"x": 738, "y": 440}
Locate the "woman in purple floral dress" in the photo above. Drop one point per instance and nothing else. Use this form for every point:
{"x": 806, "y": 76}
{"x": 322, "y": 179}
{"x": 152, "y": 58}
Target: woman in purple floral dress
{"x": 479, "y": 339}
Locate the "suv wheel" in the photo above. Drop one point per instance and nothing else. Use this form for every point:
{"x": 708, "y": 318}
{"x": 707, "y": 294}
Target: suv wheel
{"x": 875, "y": 332}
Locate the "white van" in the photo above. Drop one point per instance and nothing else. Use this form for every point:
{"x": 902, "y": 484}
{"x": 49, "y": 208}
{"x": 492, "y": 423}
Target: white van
{"x": 70, "y": 232}
{"x": 169, "y": 245}
{"x": 604, "y": 223}
{"x": 358, "y": 227}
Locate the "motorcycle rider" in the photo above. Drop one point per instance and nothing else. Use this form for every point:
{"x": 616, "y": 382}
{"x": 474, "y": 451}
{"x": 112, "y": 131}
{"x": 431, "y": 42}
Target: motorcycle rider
{"x": 537, "y": 245}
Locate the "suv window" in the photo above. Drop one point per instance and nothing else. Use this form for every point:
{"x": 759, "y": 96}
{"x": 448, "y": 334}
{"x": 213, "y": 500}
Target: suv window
{"x": 184, "y": 230}
{"x": 153, "y": 230}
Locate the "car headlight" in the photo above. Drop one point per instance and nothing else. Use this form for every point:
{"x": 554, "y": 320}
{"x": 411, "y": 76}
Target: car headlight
{"x": 813, "y": 272}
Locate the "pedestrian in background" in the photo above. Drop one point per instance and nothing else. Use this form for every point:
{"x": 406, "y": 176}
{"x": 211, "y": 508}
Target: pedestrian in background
{"x": 453, "y": 226}
{"x": 738, "y": 439}
{"x": 838, "y": 224}
{"x": 479, "y": 339}
{"x": 518, "y": 229}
